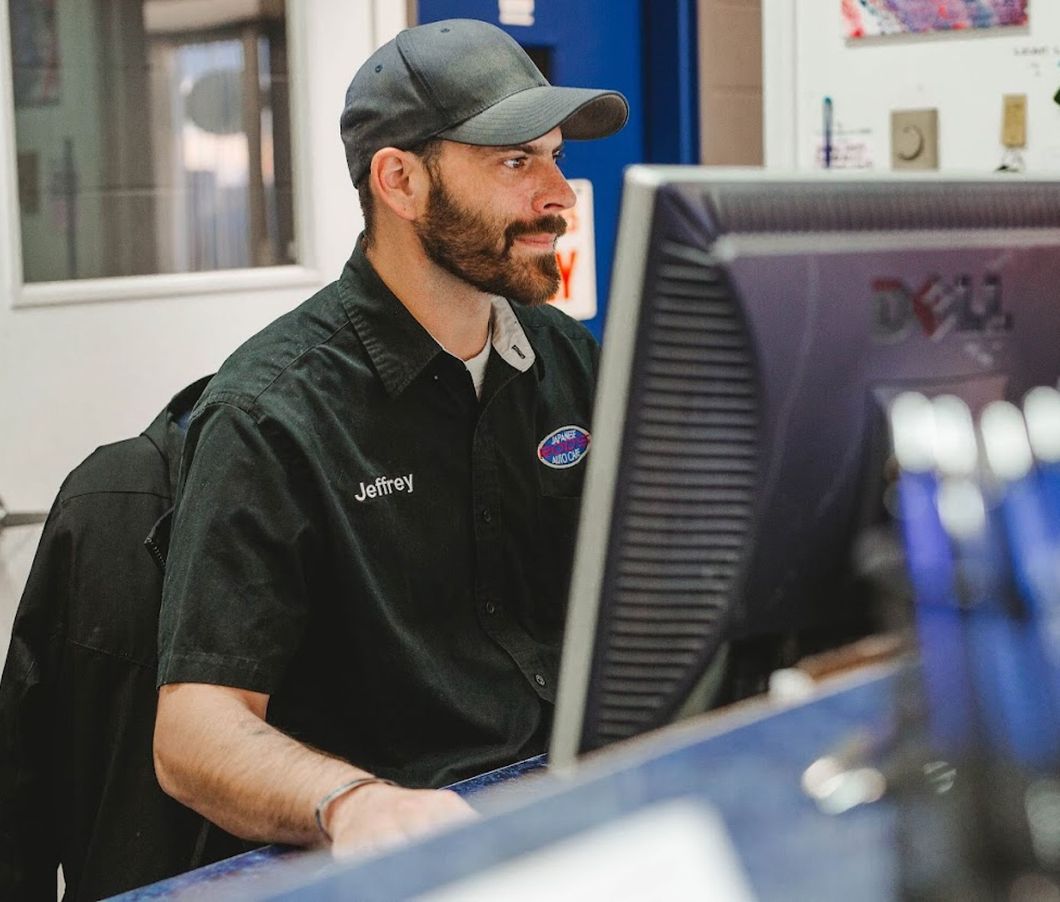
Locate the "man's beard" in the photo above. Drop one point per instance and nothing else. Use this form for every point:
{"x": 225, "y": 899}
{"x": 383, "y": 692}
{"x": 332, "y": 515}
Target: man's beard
{"x": 478, "y": 249}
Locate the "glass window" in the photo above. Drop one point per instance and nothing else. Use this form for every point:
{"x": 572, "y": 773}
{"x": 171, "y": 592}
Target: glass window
{"x": 153, "y": 136}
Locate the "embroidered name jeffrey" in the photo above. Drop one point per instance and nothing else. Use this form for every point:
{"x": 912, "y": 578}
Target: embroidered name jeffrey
{"x": 385, "y": 485}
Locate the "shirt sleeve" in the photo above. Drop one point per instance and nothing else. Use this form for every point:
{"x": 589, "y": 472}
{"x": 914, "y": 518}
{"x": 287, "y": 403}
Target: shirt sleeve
{"x": 235, "y": 599}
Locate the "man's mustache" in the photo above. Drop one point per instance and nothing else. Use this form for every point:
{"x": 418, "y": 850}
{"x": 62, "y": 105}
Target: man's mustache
{"x": 557, "y": 225}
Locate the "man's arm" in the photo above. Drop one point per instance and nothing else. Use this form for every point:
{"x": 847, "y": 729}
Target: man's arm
{"x": 215, "y": 753}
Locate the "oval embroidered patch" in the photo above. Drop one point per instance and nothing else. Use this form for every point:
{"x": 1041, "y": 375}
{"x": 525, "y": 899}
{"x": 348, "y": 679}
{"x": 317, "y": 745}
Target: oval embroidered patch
{"x": 564, "y": 448}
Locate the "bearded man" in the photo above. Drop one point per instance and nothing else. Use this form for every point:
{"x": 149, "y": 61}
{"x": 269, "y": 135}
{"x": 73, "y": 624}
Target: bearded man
{"x": 367, "y": 577}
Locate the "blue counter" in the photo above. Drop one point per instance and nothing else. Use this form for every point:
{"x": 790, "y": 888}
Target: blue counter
{"x": 745, "y": 764}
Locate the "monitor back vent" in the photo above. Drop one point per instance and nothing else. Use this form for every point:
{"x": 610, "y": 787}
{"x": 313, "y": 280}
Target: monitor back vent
{"x": 685, "y": 496}
{"x": 833, "y": 206}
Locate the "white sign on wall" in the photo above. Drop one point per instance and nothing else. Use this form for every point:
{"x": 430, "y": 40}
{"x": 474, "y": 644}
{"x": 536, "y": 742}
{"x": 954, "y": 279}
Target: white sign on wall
{"x": 576, "y": 256}
{"x": 515, "y": 12}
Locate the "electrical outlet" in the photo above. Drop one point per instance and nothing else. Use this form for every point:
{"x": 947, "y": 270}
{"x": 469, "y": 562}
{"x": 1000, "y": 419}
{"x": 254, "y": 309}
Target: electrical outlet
{"x": 1014, "y": 121}
{"x": 915, "y": 139}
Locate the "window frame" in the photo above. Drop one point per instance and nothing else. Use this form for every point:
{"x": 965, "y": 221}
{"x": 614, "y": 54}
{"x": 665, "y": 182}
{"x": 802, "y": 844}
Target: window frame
{"x": 304, "y": 273}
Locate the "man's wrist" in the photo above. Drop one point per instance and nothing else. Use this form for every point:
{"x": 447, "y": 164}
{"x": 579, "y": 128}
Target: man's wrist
{"x": 342, "y": 791}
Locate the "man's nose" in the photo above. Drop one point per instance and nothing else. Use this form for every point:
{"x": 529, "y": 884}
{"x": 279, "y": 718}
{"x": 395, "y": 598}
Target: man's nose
{"x": 556, "y": 195}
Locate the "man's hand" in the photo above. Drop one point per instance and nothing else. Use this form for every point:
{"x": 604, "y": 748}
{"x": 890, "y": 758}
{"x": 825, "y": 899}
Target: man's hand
{"x": 378, "y": 816}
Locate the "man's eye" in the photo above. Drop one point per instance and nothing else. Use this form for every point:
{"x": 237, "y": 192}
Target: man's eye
{"x": 515, "y": 162}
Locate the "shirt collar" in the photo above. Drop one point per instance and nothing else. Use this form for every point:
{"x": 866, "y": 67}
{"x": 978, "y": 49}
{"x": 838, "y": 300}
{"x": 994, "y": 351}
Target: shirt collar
{"x": 398, "y": 346}
{"x": 509, "y": 339}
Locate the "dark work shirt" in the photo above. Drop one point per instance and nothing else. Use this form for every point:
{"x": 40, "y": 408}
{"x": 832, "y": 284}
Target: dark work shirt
{"x": 384, "y": 554}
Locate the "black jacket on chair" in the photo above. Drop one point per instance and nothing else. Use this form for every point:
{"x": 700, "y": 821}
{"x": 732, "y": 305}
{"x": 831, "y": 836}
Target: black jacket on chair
{"x": 78, "y": 697}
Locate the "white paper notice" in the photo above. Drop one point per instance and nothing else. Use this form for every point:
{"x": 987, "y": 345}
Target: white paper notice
{"x": 576, "y": 256}
{"x": 679, "y": 851}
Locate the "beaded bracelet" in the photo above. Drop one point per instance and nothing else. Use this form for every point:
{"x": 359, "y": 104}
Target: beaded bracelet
{"x": 325, "y": 803}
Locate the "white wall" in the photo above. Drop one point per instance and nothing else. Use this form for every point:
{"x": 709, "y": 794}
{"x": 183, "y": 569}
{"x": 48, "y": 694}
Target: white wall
{"x": 77, "y": 375}
{"x": 963, "y": 75}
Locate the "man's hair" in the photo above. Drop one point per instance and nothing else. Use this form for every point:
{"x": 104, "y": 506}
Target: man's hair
{"x": 428, "y": 153}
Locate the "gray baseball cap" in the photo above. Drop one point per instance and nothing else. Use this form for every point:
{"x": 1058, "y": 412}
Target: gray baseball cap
{"x": 467, "y": 81}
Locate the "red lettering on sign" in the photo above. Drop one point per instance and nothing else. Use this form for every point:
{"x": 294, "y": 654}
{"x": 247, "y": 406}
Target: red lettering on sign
{"x": 566, "y": 270}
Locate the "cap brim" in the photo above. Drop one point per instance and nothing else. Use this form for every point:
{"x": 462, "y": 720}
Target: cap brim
{"x": 582, "y": 112}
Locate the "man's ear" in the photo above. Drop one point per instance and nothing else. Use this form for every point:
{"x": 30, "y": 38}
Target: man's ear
{"x": 400, "y": 181}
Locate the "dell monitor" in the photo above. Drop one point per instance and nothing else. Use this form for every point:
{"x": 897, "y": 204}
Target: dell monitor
{"x": 758, "y": 326}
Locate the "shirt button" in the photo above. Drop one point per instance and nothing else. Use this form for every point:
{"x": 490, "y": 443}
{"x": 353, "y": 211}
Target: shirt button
{"x": 491, "y": 608}
{"x": 487, "y": 515}
{"x": 540, "y": 680}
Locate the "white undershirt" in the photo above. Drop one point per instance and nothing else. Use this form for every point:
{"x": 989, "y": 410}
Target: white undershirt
{"x": 477, "y": 364}
{"x": 507, "y": 337}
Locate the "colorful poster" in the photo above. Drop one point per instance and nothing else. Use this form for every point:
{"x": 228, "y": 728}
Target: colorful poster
{"x": 872, "y": 18}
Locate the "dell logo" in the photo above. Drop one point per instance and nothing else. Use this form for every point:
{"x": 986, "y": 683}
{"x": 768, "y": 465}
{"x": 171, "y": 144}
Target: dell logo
{"x": 937, "y": 308}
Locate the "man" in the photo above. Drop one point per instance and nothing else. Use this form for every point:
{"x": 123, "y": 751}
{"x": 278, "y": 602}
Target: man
{"x": 370, "y": 556}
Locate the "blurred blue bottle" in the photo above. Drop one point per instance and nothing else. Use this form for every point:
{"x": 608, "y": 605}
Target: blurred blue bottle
{"x": 1012, "y": 685}
{"x": 1041, "y": 408}
{"x": 1030, "y": 528}
{"x": 944, "y": 662}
